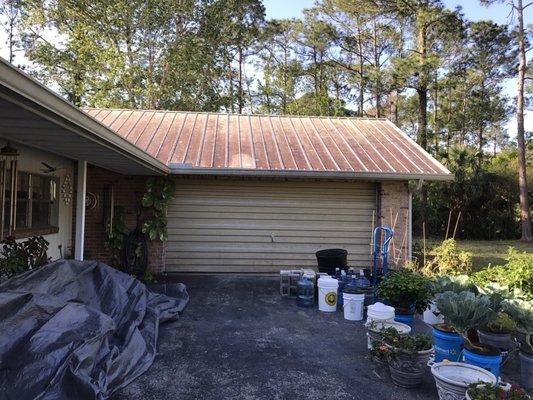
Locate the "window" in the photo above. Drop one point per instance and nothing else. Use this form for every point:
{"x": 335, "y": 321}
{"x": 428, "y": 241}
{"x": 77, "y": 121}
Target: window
{"x": 37, "y": 204}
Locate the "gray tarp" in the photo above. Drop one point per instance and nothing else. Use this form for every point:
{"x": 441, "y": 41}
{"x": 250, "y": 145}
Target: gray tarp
{"x": 78, "y": 330}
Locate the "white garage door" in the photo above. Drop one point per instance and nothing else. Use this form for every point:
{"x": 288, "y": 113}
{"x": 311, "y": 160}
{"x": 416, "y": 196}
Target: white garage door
{"x": 265, "y": 226}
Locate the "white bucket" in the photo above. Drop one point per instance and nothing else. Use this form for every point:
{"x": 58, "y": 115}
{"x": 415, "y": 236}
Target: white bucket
{"x": 353, "y": 306}
{"x": 379, "y": 312}
{"x": 327, "y": 294}
{"x": 432, "y": 315}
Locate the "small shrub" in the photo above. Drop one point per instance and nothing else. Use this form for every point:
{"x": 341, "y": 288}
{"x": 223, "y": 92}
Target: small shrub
{"x": 448, "y": 260}
{"x": 17, "y": 257}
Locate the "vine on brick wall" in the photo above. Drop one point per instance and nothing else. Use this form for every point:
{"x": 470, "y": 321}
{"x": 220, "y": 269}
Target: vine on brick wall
{"x": 159, "y": 192}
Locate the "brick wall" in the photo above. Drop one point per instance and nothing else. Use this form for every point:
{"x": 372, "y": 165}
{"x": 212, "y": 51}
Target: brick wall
{"x": 395, "y": 213}
{"x": 128, "y": 191}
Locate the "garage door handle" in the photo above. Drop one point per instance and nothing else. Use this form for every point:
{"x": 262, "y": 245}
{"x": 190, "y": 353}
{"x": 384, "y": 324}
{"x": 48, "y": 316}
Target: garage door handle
{"x": 272, "y": 237}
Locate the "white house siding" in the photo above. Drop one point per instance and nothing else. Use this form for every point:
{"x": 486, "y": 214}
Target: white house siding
{"x": 30, "y": 161}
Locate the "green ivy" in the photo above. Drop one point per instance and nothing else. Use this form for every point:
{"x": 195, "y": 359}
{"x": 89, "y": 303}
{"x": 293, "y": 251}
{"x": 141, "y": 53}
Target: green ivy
{"x": 159, "y": 193}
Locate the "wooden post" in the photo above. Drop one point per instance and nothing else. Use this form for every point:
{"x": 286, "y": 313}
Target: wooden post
{"x": 456, "y": 224}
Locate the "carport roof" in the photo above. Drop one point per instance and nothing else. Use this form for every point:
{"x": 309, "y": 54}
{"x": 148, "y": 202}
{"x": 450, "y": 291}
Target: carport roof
{"x": 33, "y": 115}
{"x": 232, "y": 144}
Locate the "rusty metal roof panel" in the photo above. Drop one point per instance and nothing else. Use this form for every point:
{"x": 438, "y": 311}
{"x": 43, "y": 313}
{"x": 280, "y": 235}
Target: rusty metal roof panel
{"x": 215, "y": 142}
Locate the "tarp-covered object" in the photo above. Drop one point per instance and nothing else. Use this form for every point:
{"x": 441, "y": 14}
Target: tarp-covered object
{"x": 78, "y": 330}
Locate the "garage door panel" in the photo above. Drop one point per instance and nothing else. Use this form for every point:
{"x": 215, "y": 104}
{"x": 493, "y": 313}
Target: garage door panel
{"x": 227, "y": 226}
{"x": 353, "y": 203}
{"x": 267, "y": 239}
{"x": 179, "y": 234}
{"x": 188, "y": 217}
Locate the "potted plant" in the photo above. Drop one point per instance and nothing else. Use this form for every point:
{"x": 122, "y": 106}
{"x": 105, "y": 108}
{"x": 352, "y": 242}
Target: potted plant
{"x": 454, "y": 378}
{"x": 441, "y": 284}
{"x": 486, "y": 391}
{"x": 521, "y": 311}
{"x": 407, "y": 291}
{"x": 464, "y": 311}
{"x": 498, "y": 333}
{"x": 407, "y": 356}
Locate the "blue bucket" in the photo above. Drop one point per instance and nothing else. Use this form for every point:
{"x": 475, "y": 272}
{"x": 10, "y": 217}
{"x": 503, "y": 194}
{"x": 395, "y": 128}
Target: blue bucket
{"x": 489, "y": 362}
{"x": 448, "y": 345}
{"x": 405, "y": 319}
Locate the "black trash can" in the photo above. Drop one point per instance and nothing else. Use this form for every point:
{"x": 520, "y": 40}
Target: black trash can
{"x": 329, "y": 259}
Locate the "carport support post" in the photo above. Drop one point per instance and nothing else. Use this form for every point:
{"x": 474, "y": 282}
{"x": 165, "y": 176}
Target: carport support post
{"x": 80, "y": 209}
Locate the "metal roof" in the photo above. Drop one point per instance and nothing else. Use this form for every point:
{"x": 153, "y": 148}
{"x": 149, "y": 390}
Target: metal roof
{"x": 210, "y": 143}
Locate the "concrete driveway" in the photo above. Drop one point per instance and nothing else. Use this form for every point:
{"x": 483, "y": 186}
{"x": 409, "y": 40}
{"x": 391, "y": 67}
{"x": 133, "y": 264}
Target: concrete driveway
{"x": 238, "y": 339}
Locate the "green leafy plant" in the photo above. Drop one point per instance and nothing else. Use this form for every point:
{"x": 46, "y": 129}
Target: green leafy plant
{"x": 114, "y": 239}
{"x": 405, "y": 290}
{"x": 503, "y": 323}
{"x": 392, "y": 344}
{"x": 159, "y": 192}
{"x": 486, "y": 391}
{"x": 456, "y": 284}
{"x": 521, "y": 312}
{"x": 464, "y": 311}
{"x": 448, "y": 260}
{"x": 517, "y": 273}
{"x": 17, "y": 257}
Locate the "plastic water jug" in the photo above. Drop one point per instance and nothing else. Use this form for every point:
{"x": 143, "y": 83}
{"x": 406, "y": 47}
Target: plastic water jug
{"x": 342, "y": 282}
{"x": 306, "y": 292}
{"x": 362, "y": 282}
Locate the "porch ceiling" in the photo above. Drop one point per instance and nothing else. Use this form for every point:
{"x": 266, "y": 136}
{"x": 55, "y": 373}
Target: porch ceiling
{"x": 32, "y": 115}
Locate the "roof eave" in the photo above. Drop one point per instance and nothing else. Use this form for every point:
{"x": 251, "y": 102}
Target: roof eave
{"x": 49, "y": 105}
{"x": 378, "y": 176}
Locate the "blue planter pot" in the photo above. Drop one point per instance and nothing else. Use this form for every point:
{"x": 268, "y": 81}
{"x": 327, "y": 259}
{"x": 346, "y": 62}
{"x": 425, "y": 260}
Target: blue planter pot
{"x": 405, "y": 319}
{"x": 491, "y": 363}
{"x": 448, "y": 345}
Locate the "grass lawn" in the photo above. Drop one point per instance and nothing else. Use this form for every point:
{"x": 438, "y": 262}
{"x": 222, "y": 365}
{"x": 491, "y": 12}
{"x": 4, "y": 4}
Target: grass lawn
{"x": 485, "y": 252}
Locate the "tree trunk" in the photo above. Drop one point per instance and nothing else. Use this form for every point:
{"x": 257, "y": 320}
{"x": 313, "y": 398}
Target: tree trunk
{"x": 527, "y": 234}
{"x": 422, "y": 136}
{"x": 240, "y": 93}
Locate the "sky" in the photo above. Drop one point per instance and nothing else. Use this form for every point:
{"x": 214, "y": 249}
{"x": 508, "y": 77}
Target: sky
{"x": 471, "y": 9}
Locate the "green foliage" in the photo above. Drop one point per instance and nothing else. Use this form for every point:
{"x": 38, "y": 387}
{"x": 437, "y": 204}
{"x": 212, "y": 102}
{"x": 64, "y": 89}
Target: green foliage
{"x": 406, "y": 343}
{"x": 486, "y": 391}
{"x": 17, "y": 257}
{"x": 521, "y": 311}
{"x": 114, "y": 239}
{"x": 517, "y": 273}
{"x": 448, "y": 260}
{"x": 456, "y": 284}
{"x": 159, "y": 192}
{"x": 405, "y": 290}
{"x": 486, "y": 194}
{"x": 465, "y": 310}
{"x": 503, "y": 323}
